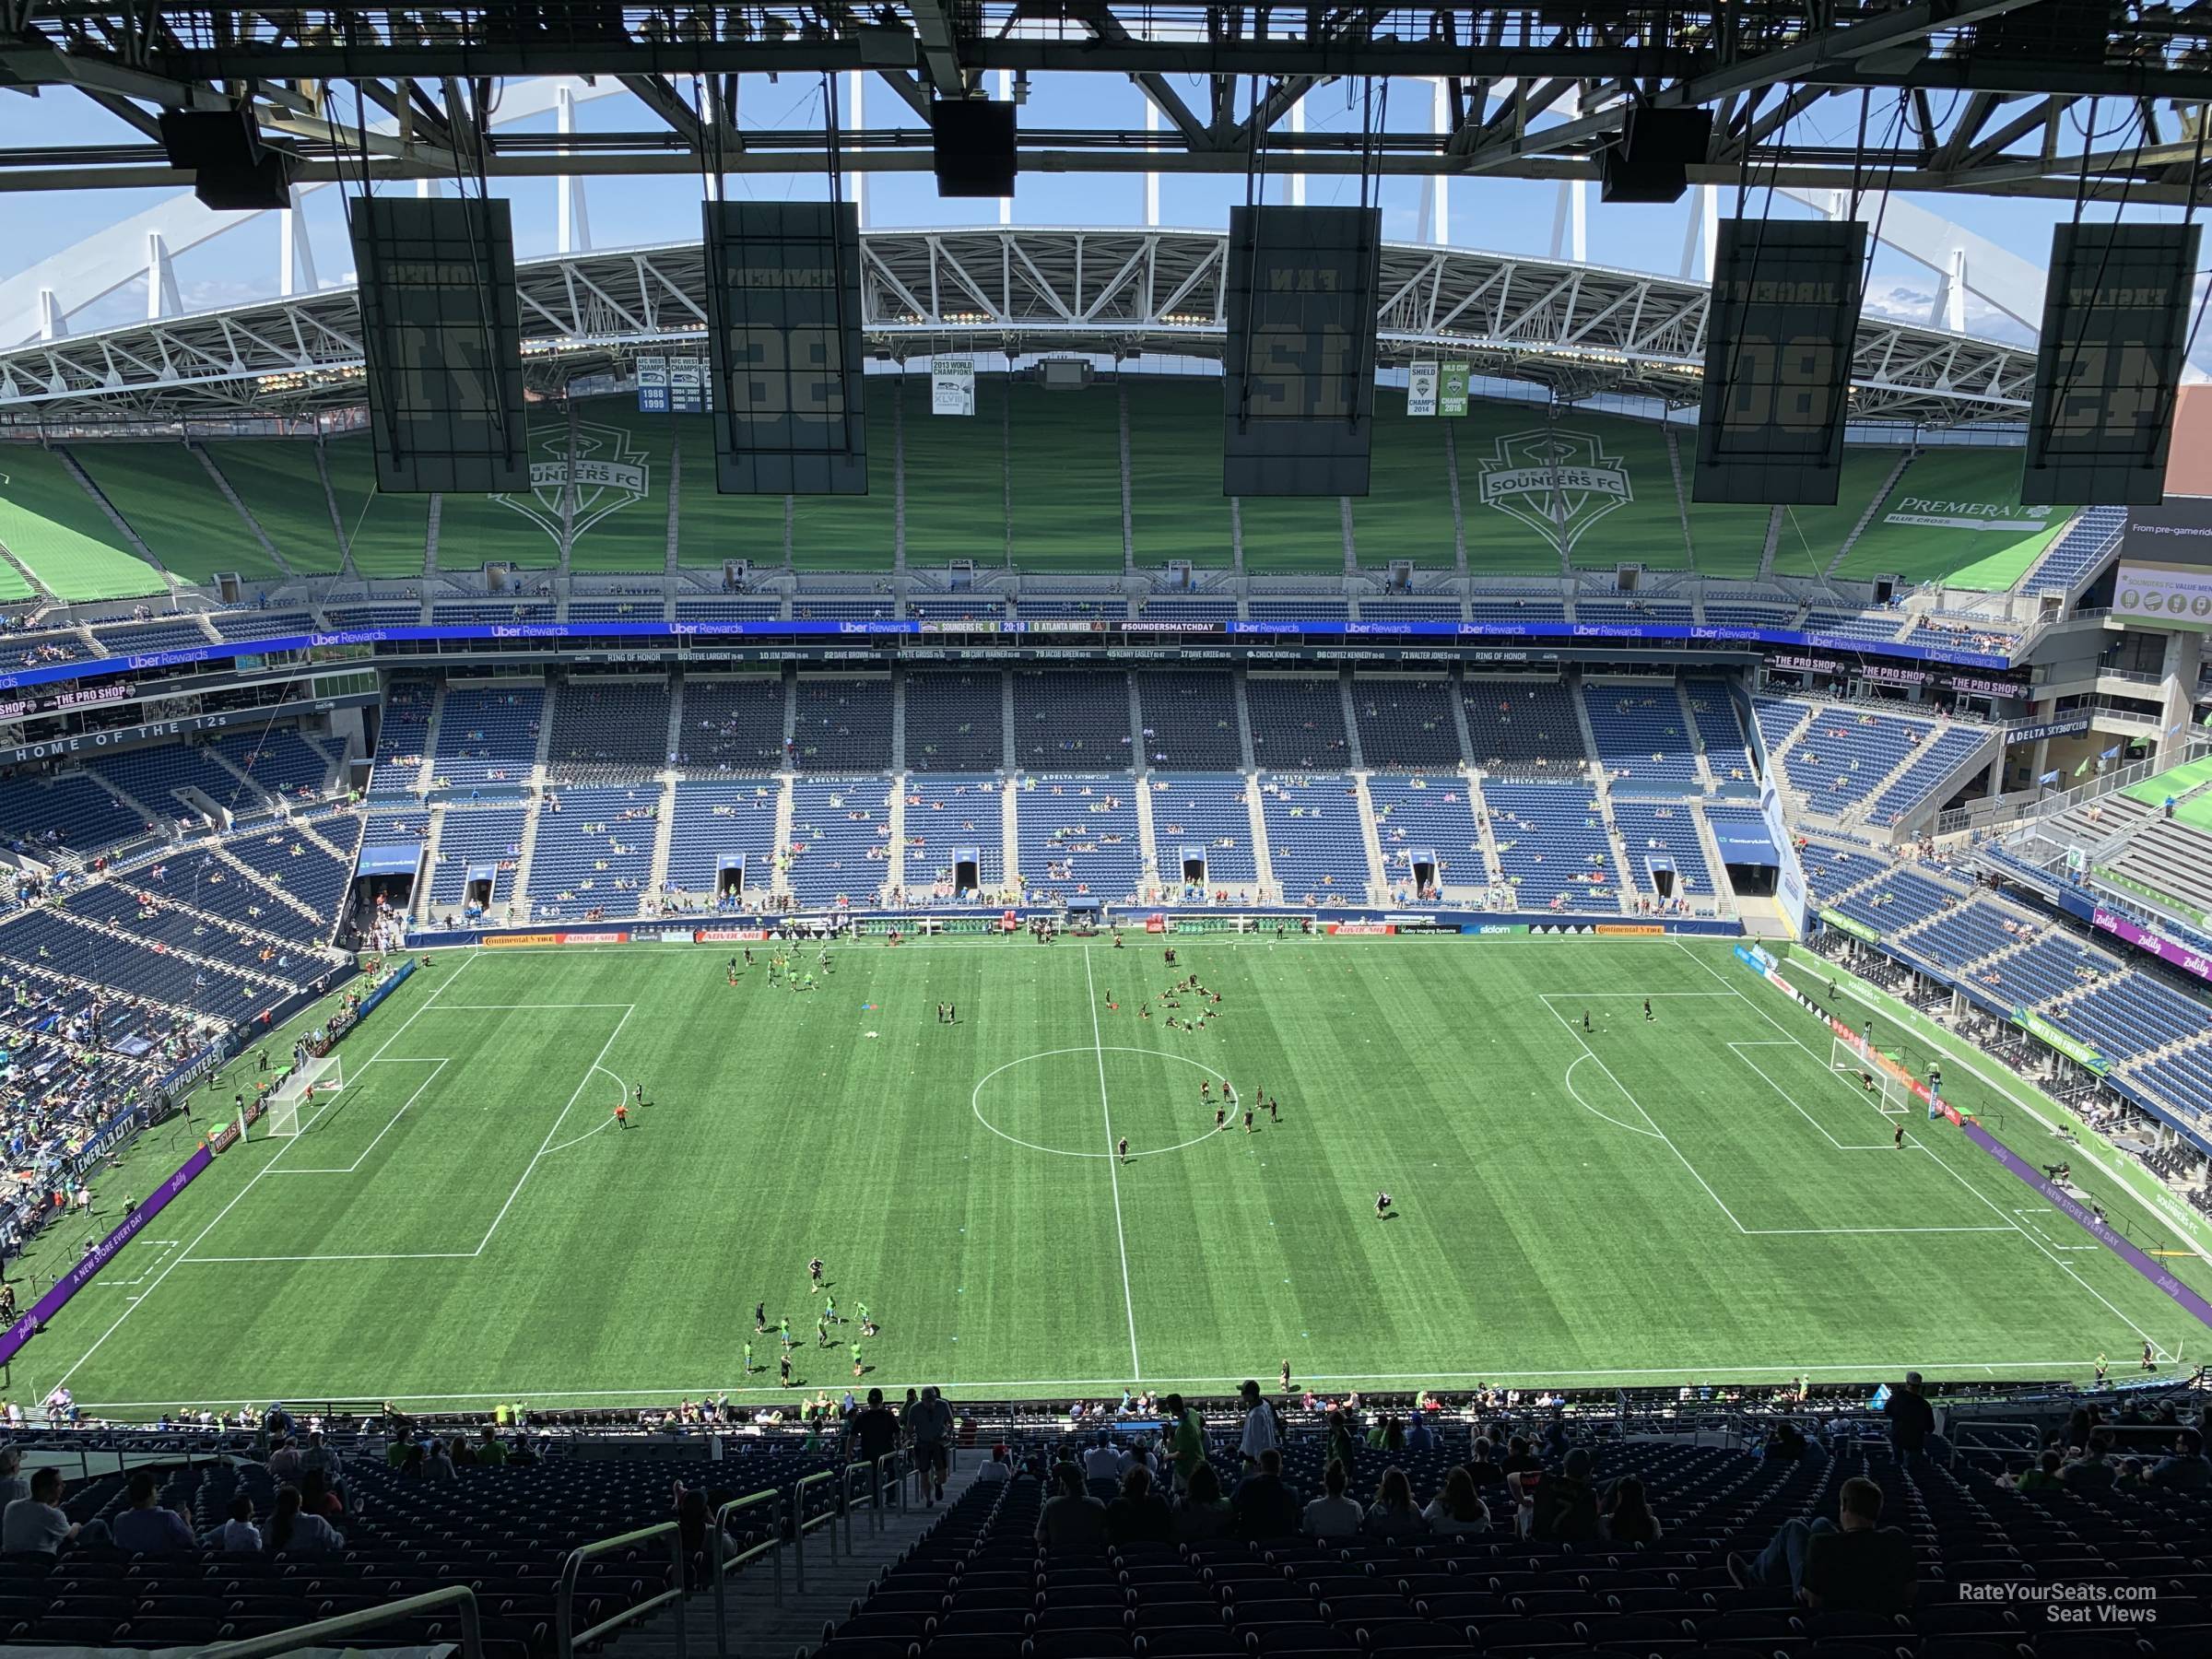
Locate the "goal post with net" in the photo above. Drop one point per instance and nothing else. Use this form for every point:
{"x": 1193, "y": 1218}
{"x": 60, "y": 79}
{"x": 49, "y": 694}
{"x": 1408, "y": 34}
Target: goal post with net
{"x": 300, "y": 1088}
{"x": 1851, "y": 1057}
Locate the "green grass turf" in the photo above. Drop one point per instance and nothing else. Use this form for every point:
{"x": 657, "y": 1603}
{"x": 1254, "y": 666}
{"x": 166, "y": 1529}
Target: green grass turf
{"x": 1811, "y": 537}
{"x": 711, "y": 526}
{"x": 1698, "y": 1196}
{"x": 56, "y": 530}
{"x": 167, "y": 497}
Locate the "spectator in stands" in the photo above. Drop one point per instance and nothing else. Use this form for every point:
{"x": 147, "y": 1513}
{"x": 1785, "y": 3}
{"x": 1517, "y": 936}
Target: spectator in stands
{"x": 238, "y": 1535}
{"x": 1001, "y": 1467}
{"x": 1482, "y": 1464}
{"x": 1201, "y": 1512}
{"x": 2040, "y": 1475}
{"x": 1458, "y": 1507}
{"x": 437, "y": 1464}
{"x": 1260, "y": 1433}
{"x": 1140, "y": 1514}
{"x": 145, "y": 1528}
{"x": 1628, "y": 1518}
{"x": 294, "y": 1531}
{"x": 1264, "y": 1505}
{"x": 1518, "y": 1458}
{"x": 1103, "y": 1462}
{"x": 1564, "y": 1506}
{"x": 489, "y": 1448}
{"x": 1392, "y": 1514}
{"x": 2093, "y": 1470}
{"x": 2186, "y": 1470}
{"x": 1071, "y": 1518}
{"x": 36, "y": 1525}
{"x": 1912, "y": 1419}
{"x": 928, "y": 1423}
{"x": 1186, "y": 1443}
{"x": 873, "y": 1431}
{"x": 1333, "y": 1514}
{"x": 1858, "y": 1567}
{"x": 12, "y": 1484}
{"x": 284, "y": 1461}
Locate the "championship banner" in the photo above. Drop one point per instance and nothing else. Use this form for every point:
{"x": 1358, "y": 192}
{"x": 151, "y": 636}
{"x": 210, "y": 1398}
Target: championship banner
{"x": 1421, "y": 389}
{"x": 687, "y": 380}
{"x": 951, "y": 386}
{"x": 100, "y": 1254}
{"x": 1451, "y": 390}
{"x": 653, "y": 385}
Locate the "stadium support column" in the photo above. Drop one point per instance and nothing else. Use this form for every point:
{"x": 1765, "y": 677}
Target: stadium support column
{"x": 1440, "y": 187}
{"x": 856, "y": 80}
{"x": 575, "y": 226}
{"x": 2178, "y": 675}
{"x": 1297, "y": 180}
{"x": 295, "y": 253}
{"x": 1006, "y": 95}
{"x": 1570, "y": 223}
{"x": 1151, "y": 179}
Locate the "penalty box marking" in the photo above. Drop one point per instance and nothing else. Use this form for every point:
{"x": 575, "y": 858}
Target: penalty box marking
{"x": 1547, "y": 997}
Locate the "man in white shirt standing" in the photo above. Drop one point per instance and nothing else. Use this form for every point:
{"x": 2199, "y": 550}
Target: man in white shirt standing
{"x": 1101, "y": 1462}
{"x": 1259, "y": 1425}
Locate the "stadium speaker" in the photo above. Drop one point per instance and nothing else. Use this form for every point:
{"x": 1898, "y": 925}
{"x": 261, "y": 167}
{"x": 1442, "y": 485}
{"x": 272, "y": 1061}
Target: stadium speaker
{"x": 231, "y": 171}
{"x": 1651, "y": 163}
{"x": 974, "y": 146}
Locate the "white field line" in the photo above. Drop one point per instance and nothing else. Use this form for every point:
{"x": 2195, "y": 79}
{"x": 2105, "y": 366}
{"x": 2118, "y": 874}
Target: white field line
{"x": 1113, "y": 1172}
{"x": 1546, "y": 1000}
{"x": 692, "y": 1390}
{"x": 252, "y": 1181}
{"x": 596, "y": 1066}
{"x": 436, "y": 1066}
{"x": 1945, "y": 1165}
{"x": 1792, "y": 1099}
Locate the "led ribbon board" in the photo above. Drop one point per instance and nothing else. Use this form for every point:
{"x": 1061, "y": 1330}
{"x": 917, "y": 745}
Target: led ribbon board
{"x": 2108, "y": 363}
{"x": 441, "y": 335}
{"x": 784, "y": 319}
{"x": 1779, "y": 331}
{"x": 1298, "y": 379}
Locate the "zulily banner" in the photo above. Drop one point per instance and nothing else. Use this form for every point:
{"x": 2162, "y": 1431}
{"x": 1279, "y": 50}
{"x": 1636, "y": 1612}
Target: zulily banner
{"x": 2071, "y": 1206}
{"x": 100, "y": 1255}
{"x": 2192, "y": 962}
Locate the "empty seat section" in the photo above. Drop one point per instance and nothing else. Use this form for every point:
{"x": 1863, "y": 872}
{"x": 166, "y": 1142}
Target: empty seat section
{"x": 1296, "y": 721}
{"x": 1073, "y": 722}
{"x": 1079, "y": 838}
{"x": 1313, "y": 838}
{"x": 952, "y": 822}
{"x": 842, "y": 724}
{"x": 1552, "y": 846}
{"x": 1406, "y": 723}
{"x": 841, "y": 830}
{"x": 1429, "y": 815}
{"x": 1190, "y": 719}
{"x": 955, "y": 722}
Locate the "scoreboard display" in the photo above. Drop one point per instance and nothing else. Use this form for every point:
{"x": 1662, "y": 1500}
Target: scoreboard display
{"x": 441, "y": 338}
{"x": 1779, "y": 334}
{"x": 1298, "y": 380}
{"x": 784, "y": 321}
{"x": 2108, "y": 364}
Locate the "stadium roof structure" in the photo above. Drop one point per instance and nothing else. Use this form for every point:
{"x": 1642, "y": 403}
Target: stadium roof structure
{"x": 1985, "y": 92}
{"x": 1582, "y": 329}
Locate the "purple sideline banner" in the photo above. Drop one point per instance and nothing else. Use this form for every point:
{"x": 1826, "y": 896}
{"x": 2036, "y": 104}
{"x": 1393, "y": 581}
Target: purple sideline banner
{"x": 100, "y": 1255}
{"x": 2193, "y": 962}
{"x": 2067, "y": 1205}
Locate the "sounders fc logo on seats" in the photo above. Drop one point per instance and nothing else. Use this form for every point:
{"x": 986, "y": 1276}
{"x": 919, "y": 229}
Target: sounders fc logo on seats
{"x": 1558, "y": 483}
{"x": 608, "y": 473}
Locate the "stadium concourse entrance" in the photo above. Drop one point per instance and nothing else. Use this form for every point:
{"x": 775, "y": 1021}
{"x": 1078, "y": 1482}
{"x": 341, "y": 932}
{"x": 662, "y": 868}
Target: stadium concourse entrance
{"x": 729, "y": 877}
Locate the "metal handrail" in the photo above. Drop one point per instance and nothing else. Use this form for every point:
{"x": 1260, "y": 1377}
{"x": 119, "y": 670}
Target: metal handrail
{"x": 800, "y": 1524}
{"x": 346, "y": 1624}
{"x": 844, "y": 1496}
{"x": 884, "y": 1466}
{"x": 564, "y": 1603}
{"x": 723, "y": 1563}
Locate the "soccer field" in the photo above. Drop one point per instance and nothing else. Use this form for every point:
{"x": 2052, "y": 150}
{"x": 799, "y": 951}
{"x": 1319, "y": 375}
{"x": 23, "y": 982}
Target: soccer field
{"x": 1696, "y": 1196}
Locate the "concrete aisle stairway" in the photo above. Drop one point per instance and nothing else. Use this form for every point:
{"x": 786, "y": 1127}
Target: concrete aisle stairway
{"x": 759, "y": 1629}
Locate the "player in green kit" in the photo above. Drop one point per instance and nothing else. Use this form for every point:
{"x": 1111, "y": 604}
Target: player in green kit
{"x": 783, "y": 1330}
{"x": 748, "y": 1358}
{"x": 867, "y": 1325}
{"x": 857, "y": 1367}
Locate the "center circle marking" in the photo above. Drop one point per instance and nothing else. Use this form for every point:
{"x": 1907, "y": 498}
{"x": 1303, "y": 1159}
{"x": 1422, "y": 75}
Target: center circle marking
{"x": 975, "y": 1098}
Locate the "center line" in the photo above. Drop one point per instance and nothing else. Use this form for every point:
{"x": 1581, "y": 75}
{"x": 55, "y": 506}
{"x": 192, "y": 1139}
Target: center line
{"x": 1113, "y": 1172}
